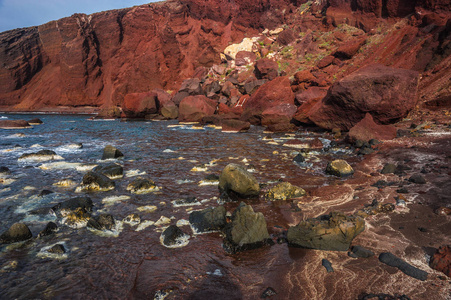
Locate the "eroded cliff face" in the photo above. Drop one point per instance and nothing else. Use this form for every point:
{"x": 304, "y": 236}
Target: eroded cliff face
{"x": 96, "y": 60}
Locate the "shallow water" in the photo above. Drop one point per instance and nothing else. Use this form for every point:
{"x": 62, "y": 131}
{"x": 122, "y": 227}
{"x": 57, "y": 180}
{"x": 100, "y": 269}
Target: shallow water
{"x": 132, "y": 263}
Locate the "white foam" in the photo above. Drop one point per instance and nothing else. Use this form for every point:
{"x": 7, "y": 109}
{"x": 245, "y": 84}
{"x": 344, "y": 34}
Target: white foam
{"x": 114, "y": 232}
{"x": 181, "y": 241}
{"x": 181, "y": 202}
{"x": 184, "y": 181}
{"x": 168, "y": 151}
{"x": 144, "y": 224}
{"x": 43, "y": 253}
{"x": 199, "y": 169}
{"x": 135, "y": 172}
{"x": 113, "y": 199}
{"x": 203, "y": 182}
{"x": 147, "y": 208}
{"x": 182, "y": 222}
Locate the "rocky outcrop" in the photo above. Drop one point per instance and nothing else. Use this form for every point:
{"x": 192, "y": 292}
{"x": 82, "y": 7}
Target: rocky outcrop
{"x": 236, "y": 181}
{"x": 194, "y": 108}
{"x": 367, "y": 129}
{"x": 391, "y": 260}
{"x": 138, "y": 105}
{"x": 16, "y": 233}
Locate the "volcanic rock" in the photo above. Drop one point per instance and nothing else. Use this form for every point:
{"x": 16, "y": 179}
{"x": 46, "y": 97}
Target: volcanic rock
{"x": 57, "y": 249}
{"x": 392, "y": 260}
{"x": 339, "y": 168}
{"x": 388, "y": 94}
{"x": 367, "y": 129}
{"x": 138, "y": 105}
{"x": 328, "y": 232}
{"x": 194, "y": 108}
{"x": 112, "y": 112}
{"x": 244, "y": 58}
{"x": 360, "y": 252}
{"x": 102, "y": 222}
{"x": 35, "y": 121}
{"x": 417, "y": 178}
{"x": 282, "y": 113}
{"x": 14, "y": 124}
{"x": 112, "y": 170}
{"x": 231, "y": 125}
{"x": 441, "y": 260}
{"x": 284, "y": 191}
{"x": 247, "y": 230}
{"x": 266, "y": 69}
{"x": 16, "y": 233}
{"x": 95, "y": 182}
{"x": 192, "y": 86}
{"x": 236, "y": 181}
{"x": 142, "y": 186}
{"x": 299, "y": 158}
{"x": 388, "y": 169}
{"x": 326, "y": 264}
{"x": 83, "y": 202}
{"x": 49, "y": 229}
{"x": 41, "y": 155}
{"x": 209, "y": 219}
{"x": 174, "y": 237}
{"x": 286, "y": 37}
{"x": 348, "y": 50}
{"x": 110, "y": 152}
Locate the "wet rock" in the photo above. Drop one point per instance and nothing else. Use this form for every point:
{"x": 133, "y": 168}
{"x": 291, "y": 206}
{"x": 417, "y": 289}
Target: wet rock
{"x": 443, "y": 211}
{"x": 112, "y": 170}
{"x": 441, "y": 260}
{"x": 49, "y": 229}
{"x": 84, "y": 203}
{"x": 284, "y": 191}
{"x": 102, "y": 222}
{"x": 211, "y": 178}
{"x": 326, "y": 264}
{"x": 209, "y": 219}
{"x": 375, "y": 208}
{"x": 360, "y": 252}
{"x": 231, "y": 125}
{"x": 95, "y": 182}
{"x": 247, "y": 230}
{"x": 391, "y": 260}
{"x": 269, "y": 292}
{"x": 194, "y": 108}
{"x": 76, "y": 219}
{"x": 329, "y": 232}
{"x": 5, "y": 170}
{"x": 35, "y": 121}
{"x": 266, "y": 69}
{"x": 142, "y": 186}
{"x": 192, "y": 86}
{"x": 174, "y": 237}
{"x": 299, "y": 158}
{"x": 44, "y": 193}
{"x": 418, "y": 179}
{"x": 16, "y": 233}
{"x": 366, "y": 129}
{"x": 110, "y": 152}
{"x": 14, "y": 124}
{"x": 57, "y": 249}
{"x": 138, "y": 105}
{"x": 132, "y": 219}
{"x": 40, "y": 155}
{"x": 339, "y": 168}
{"x": 279, "y": 114}
{"x": 388, "y": 169}
{"x": 236, "y": 181}
{"x": 188, "y": 201}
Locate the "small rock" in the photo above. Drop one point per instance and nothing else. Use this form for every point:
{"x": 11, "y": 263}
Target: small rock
{"x": 142, "y": 186}
{"x": 110, "y": 152}
{"x": 112, "y": 171}
{"x": 388, "y": 169}
{"x": 4, "y": 170}
{"x": 102, "y": 222}
{"x": 269, "y": 292}
{"x": 326, "y": 264}
{"x": 339, "y": 168}
{"x": 391, "y": 260}
{"x": 95, "y": 182}
{"x": 441, "y": 260}
{"x": 132, "y": 219}
{"x": 16, "y": 233}
{"x": 49, "y": 229}
{"x": 417, "y": 178}
{"x": 284, "y": 191}
{"x": 35, "y": 121}
{"x": 209, "y": 219}
{"x": 174, "y": 237}
{"x": 236, "y": 181}
{"x": 57, "y": 249}
{"x": 299, "y": 158}
{"x": 360, "y": 252}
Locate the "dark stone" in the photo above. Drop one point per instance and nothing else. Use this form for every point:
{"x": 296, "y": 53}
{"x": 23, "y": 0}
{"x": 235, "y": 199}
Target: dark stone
{"x": 417, "y": 178}
{"x": 326, "y": 264}
{"x": 110, "y": 152}
{"x": 35, "y": 121}
{"x": 16, "y": 233}
{"x": 209, "y": 219}
{"x": 73, "y": 204}
{"x": 299, "y": 158}
{"x": 360, "y": 252}
{"x": 171, "y": 236}
{"x": 44, "y": 193}
{"x": 365, "y": 151}
{"x": 4, "y": 170}
{"x": 101, "y": 222}
{"x": 57, "y": 249}
{"x": 388, "y": 169}
{"x": 93, "y": 181}
{"x": 269, "y": 292}
{"x": 39, "y": 153}
{"x": 373, "y": 142}
{"x": 391, "y": 260}
{"x": 422, "y": 229}
{"x": 402, "y": 190}
{"x": 360, "y": 144}
{"x": 236, "y": 181}
{"x": 211, "y": 177}
{"x": 190, "y": 200}
{"x": 49, "y": 229}
{"x": 110, "y": 170}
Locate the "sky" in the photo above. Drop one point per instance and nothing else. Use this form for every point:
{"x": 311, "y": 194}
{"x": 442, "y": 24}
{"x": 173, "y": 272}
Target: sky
{"x": 26, "y": 13}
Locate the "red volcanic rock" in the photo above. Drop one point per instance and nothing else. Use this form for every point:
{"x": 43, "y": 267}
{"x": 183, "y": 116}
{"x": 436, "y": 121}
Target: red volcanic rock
{"x": 138, "y": 105}
{"x": 169, "y": 110}
{"x": 244, "y": 58}
{"x": 349, "y": 49}
{"x": 312, "y": 93}
{"x": 388, "y": 94}
{"x": 367, "y": 129}
{"x": 194, "y": 108}
{"x": 231, "y": 125}
{"x": 271, "y": 94}
{"x": 441, "y": 260}
{"x": 192, "y": 86}
{"x": 326, "y": 61}
{"x": 286, "y": 37}
{"x": 303, "y": 76}
{"x": 266, "y": 69}
{"x": 13, "y": 124}
{"x": 282, "y": 113}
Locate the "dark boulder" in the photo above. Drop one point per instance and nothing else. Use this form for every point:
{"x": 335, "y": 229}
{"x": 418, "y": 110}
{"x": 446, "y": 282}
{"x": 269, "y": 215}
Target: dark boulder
{"x": 360, "y": 252}
{"x": 112, "y": 170}
{"x": 339, "y": 168}
{"x": 102, "y": 222}
{"x": 95, "y": 182}
{"x": 49, "y": 229}
{"x": 286, "y": 37}
{"x": 299, "y": 158}
{"x": 236, "y": 181}
{"x": 35, "y": 121}
{"x": 417, "y": 178}
{"x": 14, "y": 124}
{"x": 57, "y": 249}
{"x": 110, "y": 152}
{"x": 5, "y": 170}
{"x": 327, "y": 264}
{"x": 16, "y": 233}
{"x": 391, "y": 260}
{"x": 142, "y": 186}
{"x": 83, "y": 202}
{"x": 388, "y": 169}
{"x": 173, "y": 237}
{"x": 40, "y": 155}
{"x": 209, "y": 219}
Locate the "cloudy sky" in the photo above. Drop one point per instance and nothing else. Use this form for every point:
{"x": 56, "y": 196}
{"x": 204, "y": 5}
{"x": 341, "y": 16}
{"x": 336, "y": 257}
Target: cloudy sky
{"x": 25, "y": 13}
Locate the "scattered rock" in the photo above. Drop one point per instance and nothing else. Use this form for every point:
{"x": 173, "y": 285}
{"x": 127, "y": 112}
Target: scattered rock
{"x": 95, "y": 182}
{"x": 299, "y": 158}
{"x": 418, "y": 179}
{"x": 339, "y": 168}
{"x": 328, "y": 232}
{"x": 41, "y": 155}
{"x": 269, "y": 292}
{"x": 35, "y": 121}
{"x": 326, "y": 264}
{"x": 247, "y": 230}
{"x": 236, "y": 181}
{"x": 16, "y": 233}
{"x": 49, "y": 229}
{"x": 391, "y": 260}
{"x": 132, "y": 219}
{"x": 173, "y": 237}
{"x": 441, "y": 260}
{"x": 142, "y": 186}
{"x": 102, "y": 222}
{"x": 72, "y": 205}
{"x": 360, "y": 252}
{"x": 138, "y": 105}
{"x": 57, "y": 249}
{"x": 388, "y": 169}
{"x": 231, "y": 125}
{"x": 366, "y": 129}
{"x": 110, "y": 152}
{"x": 266, "y": 69}
{"x": 14, "y": 124}
{"x": 209, "y": 219}
{"x": 112, "y": 170}
{"x": 284, "y": 191}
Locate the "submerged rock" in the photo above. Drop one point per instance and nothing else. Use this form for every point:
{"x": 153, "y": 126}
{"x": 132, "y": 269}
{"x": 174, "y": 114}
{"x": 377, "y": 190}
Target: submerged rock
{"x": 209, "y": 219}
{"x": 57, "y": 249}
{"x": 284, "y": 191}
{"x": 49, "y": 229}
{"x": 95, "y": 182}
{"x": 40, "y": 156}
{"x": 247, "y": 230}
{"x": 334, "y": 231}
{"x": 110, "y": 152}
{"x": 14, "y": 124}
{"x": 441, "y": 260}
{"x": 35, "y": 121}
{"x": 418, "y": 179}
{"x": 326, "y": 264}
{"x": 339, "y": 168}
{"x": 360, "y": 252}
{"x": 112, "y": 171}
{"x": 16, "y": 233}
{"x": 83, "y": 202}
{"x": 173, "y": 237}
{"x": 236, "y": 181}
{"x": 142, "y": 186}
{"x": 392, "y": 260}
{"x": 102, "y": 222}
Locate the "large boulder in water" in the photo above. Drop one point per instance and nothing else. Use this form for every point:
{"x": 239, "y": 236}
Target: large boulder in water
{"x": 236, "y": 181}
{"x": 247, "y": 230}
{"x": 387, "y": 93}
{"x": 16, "y": 233}
{"x": 110, "y": 152}
{"x": 367, "y": 129}
{"x": 173, "y": 237}
{"x": 329, "y": 232}
{"x": 194, "y": 108}
{"x": 95, "y": 182}
{"x": 142, "y": 186}
{"x": 102, "y": 222}
{"x": 112, "y": 170}
{"x": 138, "y": 105}
{"x": 14, "y": 124}
{"x": 209, "y": 219}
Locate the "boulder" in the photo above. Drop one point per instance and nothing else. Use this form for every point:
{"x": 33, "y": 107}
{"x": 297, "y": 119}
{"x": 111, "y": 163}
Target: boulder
{"x": 247, "y": 230}
{"x": 57, "y": 249}
{"x": 142, "y": 186}
{"x": 282, "y": 113}
{"x": 266, "y": 69}
{"x": 192, "y": 86}
{"x": 252, "y": 85}
{"x": 236, "y": 181}
{"x": 393, "y": 261}
{"x": 271, "y": 94}
{"x": 35, "y": 121}
{"x": 367, "y": 129}
{"x": 194, "y": 108}
{"x": 245, "y": 45}
{"x": 49, "y": 229}
{"x": 112, "y": 170}
{"x": 169, "y": 110}
{"x": 95, "y": 182}
{"x": 14, "y": 124}
{"x": 209, "y": 219}
{"x": 417, "y": 178}
{"x": 328, "y": 265}
{"x": 303, "y": 77}
{"x": 286, "y": 37}
{"x": 388, "y": 169}
{"x": 138, "y": 105}
{"x": 211, "y": 87}
{"x": 348, "y": 50}
{"x": 326, "y": 61}
{"x": 339, "y": 168}
{"x": 83, "y": 203}
{"x": 110, "y": 152}
{"x": 102, "y": 222}
{"x": 284, "y": 191}
{"x": 232, "y": 125}
{"x": 441, "y": 260}
{"x": 173, "y": 237}
{"x": 388, "y": 94}
{"x": 4, "y": 170}
{"x": 18, "y": 232}
{"x": 178, "y": 97}
{"x": 244, "y": 58}
{"x": 41, "y": 155}
{"x": 334, "y": 232}
{"x": 111, "y": 112}
{"x": 360, "y": 252}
